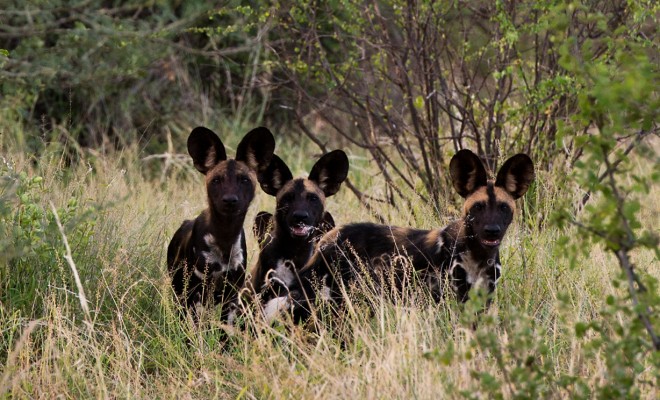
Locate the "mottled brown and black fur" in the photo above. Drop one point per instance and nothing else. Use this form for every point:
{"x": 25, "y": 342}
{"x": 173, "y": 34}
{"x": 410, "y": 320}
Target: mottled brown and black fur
{"x": 465, "y": 253}
{"x": 206, "y": 257}
{"x": 300, "y": 219}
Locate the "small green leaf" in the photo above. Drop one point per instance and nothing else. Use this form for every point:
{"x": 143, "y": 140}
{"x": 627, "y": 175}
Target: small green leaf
{"x": 419, "y": 102}
{"x": 581, "y": 329}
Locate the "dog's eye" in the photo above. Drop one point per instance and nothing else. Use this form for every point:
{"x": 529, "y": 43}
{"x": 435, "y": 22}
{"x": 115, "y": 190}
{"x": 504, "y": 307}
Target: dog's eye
{"x": 243, "y": 179}
{"x": 478, "y": 207}
{"x": 313, "y": 198}
{"x": 504, "y": 207}
{"x": 216, "y": 180}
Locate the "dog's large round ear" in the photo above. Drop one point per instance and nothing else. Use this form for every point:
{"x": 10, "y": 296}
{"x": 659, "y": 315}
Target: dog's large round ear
{"x": 467, "y": 172}
{"x": 205, "y": 148}
{"x": 516, "y": 175}
{"x": 330, "y": 171}
{"x": 256, "y": 148}
{"x": 274, "y": 176}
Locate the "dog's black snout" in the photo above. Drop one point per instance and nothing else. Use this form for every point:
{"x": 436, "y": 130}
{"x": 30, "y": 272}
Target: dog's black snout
{"x": 230, "y": 199}
{"x": 300, "y": 215}
{"x": 492, "y": 230}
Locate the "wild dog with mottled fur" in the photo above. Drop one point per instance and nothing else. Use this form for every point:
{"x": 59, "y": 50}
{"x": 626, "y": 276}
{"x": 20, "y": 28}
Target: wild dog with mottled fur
{"x": 299, "y": 218}
{"x": 465, "y": 253}
{"x": 206, "y": 257}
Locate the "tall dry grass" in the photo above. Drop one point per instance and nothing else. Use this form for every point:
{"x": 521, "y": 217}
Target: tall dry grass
{"x": 135, "y": 346}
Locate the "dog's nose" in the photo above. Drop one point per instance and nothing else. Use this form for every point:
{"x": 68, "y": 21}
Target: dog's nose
{"x": 230, "y": 199}
{"x": 300, "y": 215}
{"x": 492, "y": 230}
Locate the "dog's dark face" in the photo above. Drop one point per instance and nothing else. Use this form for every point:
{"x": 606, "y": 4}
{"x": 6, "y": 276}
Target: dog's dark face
{"x": 488, "y": 213}
{"x": 300, "y": 209}
{"x": 231, "y": 183}
{"x": 230, "y": 186}
{"x": 489, "y": 205}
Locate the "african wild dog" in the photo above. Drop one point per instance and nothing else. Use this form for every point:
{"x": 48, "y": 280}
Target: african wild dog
{"x": 465, "y": 253}
{"x": 206, "y": 257}
{"x": 299, "y": 219}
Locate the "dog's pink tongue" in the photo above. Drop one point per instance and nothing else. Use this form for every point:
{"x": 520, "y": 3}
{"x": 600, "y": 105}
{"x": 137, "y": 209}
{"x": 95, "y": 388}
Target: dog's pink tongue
{"x": 300, "y": 230}
{"x": 491, "y": 242}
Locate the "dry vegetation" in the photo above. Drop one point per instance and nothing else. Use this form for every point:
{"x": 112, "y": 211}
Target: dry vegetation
{"x": 134, "y": 345}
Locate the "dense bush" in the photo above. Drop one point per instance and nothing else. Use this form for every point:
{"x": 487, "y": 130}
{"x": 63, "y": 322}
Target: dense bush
{"x": 113, "y": 73}
{"x": 412, "y": 81}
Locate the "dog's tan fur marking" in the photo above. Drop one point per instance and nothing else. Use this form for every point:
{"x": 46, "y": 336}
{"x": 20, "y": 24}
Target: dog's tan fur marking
{"x": 433, "y": 239}
{"x": 481, "y": 195}
{"x": 252, "y": 160}
{"x": 241, "y": 168}
{"x": 399, "y": 235}
{"x": 310, "y": 187}
{"x": 511, "y": 184}
{"x": 472, "y": 180}
{"x": 210, "y": 158}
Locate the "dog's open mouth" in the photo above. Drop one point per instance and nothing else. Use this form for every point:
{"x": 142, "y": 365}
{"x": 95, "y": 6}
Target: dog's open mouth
{"x": 490, "y": 242}
{"x": 301, "y": 230}
{"x": 230, "y": 211}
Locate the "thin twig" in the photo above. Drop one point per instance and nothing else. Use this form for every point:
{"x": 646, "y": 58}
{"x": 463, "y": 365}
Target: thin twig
{"x": 638, "y": 138}
{"x": 626, "y": 265}
{"x": 69, "y": 258}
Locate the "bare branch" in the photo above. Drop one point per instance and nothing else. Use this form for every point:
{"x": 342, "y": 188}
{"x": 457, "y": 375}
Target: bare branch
{"x": 627, "y": 266}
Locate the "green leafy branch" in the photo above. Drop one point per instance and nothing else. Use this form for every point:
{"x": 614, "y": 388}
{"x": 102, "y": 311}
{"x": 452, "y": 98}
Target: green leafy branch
{"x": 617, "y": 112}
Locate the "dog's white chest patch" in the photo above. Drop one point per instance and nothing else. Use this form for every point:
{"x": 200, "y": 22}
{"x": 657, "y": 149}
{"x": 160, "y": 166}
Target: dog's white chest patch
{"x": 472, "y": 270}
{"x": 282, "y": 273}
{"x": 215, "y": 257}
{"x": 274, "y": 307}
{"x": 475, "y": 273}
{"x": 498, "y": 267}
